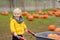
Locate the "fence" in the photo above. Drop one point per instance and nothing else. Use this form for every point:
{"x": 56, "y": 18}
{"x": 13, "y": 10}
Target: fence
{"x": 8, "y": 5}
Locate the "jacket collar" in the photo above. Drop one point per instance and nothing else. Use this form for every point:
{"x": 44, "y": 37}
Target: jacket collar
{"x": 20, "y": 19}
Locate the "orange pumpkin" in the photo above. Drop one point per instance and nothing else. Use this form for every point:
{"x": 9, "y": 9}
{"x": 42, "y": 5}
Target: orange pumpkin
{"x": 45, "y": 13}
{"x": 55, "y": 9}
{"x": 24, "y": 13}
{"x": 57, "y": 14}
{"x": 27, "y": 15}
{"x": 53, "y": 36}
{"x": 2, "y": 13}
{"x": 30, "y": 18}
{"x": 44, "y": 16}
{"x": 40, "y": 11}
{"x": 35, "y": 15}
{"x": 57, "y": 30}
{"x": 51, "y": 27}
{"x": 50, "y": 13}
{"x": 58, "y": 37}
{"x": 6, "y": 13}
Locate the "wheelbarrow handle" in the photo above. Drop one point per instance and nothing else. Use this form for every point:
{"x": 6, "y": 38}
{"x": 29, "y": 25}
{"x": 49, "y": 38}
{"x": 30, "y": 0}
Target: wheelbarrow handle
{"x": 33, "y": 34}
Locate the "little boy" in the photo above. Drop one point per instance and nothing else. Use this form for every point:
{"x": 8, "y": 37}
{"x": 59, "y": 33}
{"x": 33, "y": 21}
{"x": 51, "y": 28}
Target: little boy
{"x": 17, "y": 25}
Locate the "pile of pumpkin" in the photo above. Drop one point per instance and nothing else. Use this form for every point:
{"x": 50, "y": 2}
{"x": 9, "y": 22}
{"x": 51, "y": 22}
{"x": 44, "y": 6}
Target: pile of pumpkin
{"x": 29, "y": 16}
{"x": 54, "y": 36}
{"x": 36, "y": 15}
{"x": 41, "y": 14}
{"x": 4, "y": 13}
{"x": 54, "y": 11}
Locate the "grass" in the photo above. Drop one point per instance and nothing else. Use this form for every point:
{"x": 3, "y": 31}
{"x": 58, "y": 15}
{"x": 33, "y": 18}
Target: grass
{"x": 37, "y": 26}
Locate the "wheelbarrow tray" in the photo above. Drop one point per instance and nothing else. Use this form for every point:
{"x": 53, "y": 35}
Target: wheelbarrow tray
{"x": 43, "y": 35}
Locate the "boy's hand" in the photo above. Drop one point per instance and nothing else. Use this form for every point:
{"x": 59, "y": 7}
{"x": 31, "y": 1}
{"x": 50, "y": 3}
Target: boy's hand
{"x": 14, "y": 34}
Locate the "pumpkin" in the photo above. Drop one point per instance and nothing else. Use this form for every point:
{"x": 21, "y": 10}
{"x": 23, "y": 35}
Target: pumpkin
{"x": 35, "y": 15}
{"x": 2, "y": 13}
{"x": 30, "y": 18}
{"x": 45, "y": 13}
{"x": 6, "y": 13}
{"x": 27, "y": 15}
{"x": 57, "y": 14}
{"x": 50, "y": 13}
{"x": 51, "y": 27}
{"x": 53, "y": 36}
{"x": 24, "y": 13}
{"x": 40, "y": 11}
{"x": 57, "y": 30}
{"x": 59, "y": 37}
{"x": 55, "y": 9}
{"x": 44, "y": 16}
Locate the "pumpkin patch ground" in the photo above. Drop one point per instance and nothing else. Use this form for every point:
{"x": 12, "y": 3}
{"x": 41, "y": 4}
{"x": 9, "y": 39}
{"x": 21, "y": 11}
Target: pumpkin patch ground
{"x": 40, "y": 21}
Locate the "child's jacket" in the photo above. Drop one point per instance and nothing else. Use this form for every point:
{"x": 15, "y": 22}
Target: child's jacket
{"x": 17, "y": 26}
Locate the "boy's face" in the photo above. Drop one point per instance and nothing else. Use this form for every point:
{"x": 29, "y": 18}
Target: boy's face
{"x": 17, "y": 14}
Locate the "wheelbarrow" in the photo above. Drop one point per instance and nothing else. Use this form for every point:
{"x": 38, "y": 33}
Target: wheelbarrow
{"x": 43, "y": 35}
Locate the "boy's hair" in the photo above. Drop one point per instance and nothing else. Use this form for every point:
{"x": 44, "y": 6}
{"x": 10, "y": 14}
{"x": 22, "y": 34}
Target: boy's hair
{"x": 17, "y": 10}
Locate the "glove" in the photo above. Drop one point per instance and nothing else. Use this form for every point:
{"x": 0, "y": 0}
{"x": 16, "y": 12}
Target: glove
{"x": 20, "y": 38}
{"x": 14, "y": 34}
{"x": 28, "y": 31}
{"x": 31, "y": 33}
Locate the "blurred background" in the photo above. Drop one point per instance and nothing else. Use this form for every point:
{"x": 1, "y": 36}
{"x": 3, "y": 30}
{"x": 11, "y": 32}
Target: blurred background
{"x": 8, "y": 5}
